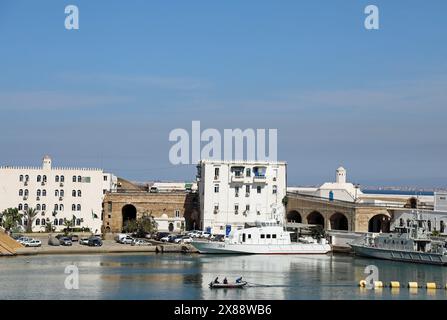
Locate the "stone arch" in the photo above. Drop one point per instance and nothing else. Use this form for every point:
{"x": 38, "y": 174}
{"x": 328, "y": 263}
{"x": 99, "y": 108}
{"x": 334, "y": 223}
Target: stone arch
{"x": 316, "y": 218}
{"x": 339, "y": 222}
{"x": 129, "y": 213}
{"x": 412, "y": 203}
{"x": 294, "y": 216}
{"x": 379, "y": 223}
{"x": 171, "y": 227}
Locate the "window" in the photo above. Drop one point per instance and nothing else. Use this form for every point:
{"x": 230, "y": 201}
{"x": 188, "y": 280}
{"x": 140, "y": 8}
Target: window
{"x": 105, "y": 178}
{"x": 44, "y": 207}
{"x": 20, "y": 207}
{"x": 78, "y": 222}
{"x": 39, "y": 178}
{"x": 55, "y": 222}
{"x": 25, "y": 206}
{"x": 216, "y": 188}
{"x": 262, "y": 236}
{"x": 61, "y": 207}
{"x": 236, "y": 209}
{"x": 247, "y": 208}
{"x": 61, "y": 193}
{"x": 258, "y": 189}
{"x": 44, "y": 178}
{"x": 275, "y": 189}
{"x": 44, "y": 193}
{"x": 269, "y": 236}
{"x": 62, "y": 179}
{"x": 37, "y": 222}
{"x": 27, "y": 178}
{"x": 79, "y": 179}
{"x": 56, "y": 207}
{"x": 39, "y": 193}
{"x": 26, "y": 192}
{"x": 110, "y": 206}
{"x": 216, "y": 208}
{"x": 73, "y": 207}
{"x": 73, "y": 193}
{"x": 249, "y": 236}
{"x": 248, "y": 172}
{"x": 177, "y": 213}
{"x": 21, "y": 178}
{"x": 247, "y": 190}
{"x": 61, "y": 221}
{"x": 38, "y": 207}
{"x": 56, "y": 178}
{"x": 74, "y": 178}
{"x": 236, "y": 191}
{"x": 56, "y": 193}
{"x": 216, "y": 173}
{"x": 79, "y": 207}
{"x": 274, "y": 236}
{"x": 79, "y": 193}
{"x": 20, "y": 192}
{"x": 43, "y": 222}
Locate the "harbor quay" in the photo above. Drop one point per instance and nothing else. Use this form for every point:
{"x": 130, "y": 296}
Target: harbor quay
{"x": 226, "y": 196}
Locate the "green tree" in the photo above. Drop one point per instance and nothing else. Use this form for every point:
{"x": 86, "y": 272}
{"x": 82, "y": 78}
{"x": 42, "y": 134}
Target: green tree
{"x": 141, "y": 226}
{"x": 68, "y": 225}
{"x": 30, "y": 215}
{"x": 11, "y": 218}
{"x": 49, "y": 227}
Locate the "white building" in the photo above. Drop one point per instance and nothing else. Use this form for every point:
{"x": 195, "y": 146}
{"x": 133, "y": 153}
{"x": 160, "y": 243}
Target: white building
{"x": 440, "y": 199}
{"x": 233, "y": 193}
{"x": 338, "y": 190}
{"x": 57, "y": 194}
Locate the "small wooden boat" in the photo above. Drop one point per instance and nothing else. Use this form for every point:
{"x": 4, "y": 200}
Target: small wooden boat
{"x": 235, "y": 285}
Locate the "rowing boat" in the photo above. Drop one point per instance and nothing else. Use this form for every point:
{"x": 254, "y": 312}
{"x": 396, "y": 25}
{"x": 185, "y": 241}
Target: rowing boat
{"x": 227, "y": 285}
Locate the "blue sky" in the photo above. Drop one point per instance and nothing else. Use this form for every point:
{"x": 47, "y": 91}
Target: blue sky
{"x": 108, "y": 95}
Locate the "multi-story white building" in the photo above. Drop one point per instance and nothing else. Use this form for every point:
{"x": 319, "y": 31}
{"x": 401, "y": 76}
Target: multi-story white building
{"x": 233, "y": 193}
{"x": 57, "y": 194}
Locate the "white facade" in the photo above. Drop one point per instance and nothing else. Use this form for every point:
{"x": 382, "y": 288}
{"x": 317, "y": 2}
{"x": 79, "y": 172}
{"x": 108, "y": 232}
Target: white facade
{"x": 57, "y": 194}
{"x": 338, "y": 190}
{"x": 436, "y": 220}
{"x": 233, "y": 193}
{"x": 440, "y": 199}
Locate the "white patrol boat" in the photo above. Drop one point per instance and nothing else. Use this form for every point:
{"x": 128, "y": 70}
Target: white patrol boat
{"x": 267, "y": 237}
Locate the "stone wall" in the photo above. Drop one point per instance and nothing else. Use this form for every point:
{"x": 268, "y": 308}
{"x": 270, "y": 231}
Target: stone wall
{"x": 161, "y": 206}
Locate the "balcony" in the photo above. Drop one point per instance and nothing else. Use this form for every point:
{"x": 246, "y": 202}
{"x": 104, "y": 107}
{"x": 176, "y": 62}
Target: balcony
{"x": 37, "y": 198}
{"x": 216, "y": 211}
{"x": 236, "y": 212}
{"x": 61, "y": 184}
{"x": 237, "y": 178}
{"x": 259, "y": 179}
{"x": 25, "y": 197}
{"x": 25, "y": 182}
{"x": 61, "y": 198}
{"x": 247, "y": 194}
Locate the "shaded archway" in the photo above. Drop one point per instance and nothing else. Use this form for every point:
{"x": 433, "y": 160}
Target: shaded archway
{"x": 379, "y": 223}
{"x": 339, "y": 222}
{"x": 412, "y": 203}
{"x": 294, "y": 216}
{"x": 171, "y": 227}
{"x": 315, "y": 218}
{"x": 129, "y": 213}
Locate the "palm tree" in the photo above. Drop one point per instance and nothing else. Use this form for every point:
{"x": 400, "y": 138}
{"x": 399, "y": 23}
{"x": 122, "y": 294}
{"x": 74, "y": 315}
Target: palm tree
{"x": 49, "y": 227}
{"x": 30, "y": 215}
{"x": 11, "y": 217}
{"x": 68, "y": 225}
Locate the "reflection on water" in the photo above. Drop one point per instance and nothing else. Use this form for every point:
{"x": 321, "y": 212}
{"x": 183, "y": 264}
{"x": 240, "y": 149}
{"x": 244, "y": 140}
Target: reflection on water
{"x": 171, "y": 276}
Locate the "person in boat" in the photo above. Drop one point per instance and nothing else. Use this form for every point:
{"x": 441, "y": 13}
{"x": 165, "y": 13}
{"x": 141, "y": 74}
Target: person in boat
{"x": 225, "y": 281}
{"x": 216, "y": 280}
{"x": 239, "y": 280}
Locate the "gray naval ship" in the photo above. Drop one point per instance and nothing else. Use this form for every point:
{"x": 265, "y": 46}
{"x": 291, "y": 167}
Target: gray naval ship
{"x": 411, "y": 243}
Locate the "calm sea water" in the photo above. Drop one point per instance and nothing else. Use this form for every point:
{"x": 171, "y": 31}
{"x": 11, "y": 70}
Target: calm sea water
{"x": 172, "y": 276}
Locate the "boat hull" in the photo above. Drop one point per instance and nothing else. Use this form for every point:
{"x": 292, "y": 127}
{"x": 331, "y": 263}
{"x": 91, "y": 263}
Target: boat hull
{"x": 228, "y": 248}
{"x": 398, "y": 255}
{"x": 228, "y": 285}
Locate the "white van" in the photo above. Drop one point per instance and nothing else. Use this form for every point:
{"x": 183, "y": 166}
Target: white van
{"x": 120, "y": 236}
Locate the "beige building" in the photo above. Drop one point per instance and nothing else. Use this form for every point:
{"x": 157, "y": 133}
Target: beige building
{"x": 173, "y": 211}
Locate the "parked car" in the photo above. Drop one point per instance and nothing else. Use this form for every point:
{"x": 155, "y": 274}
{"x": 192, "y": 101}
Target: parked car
{"x": 169, "y": 238}
{"x": 160, "y": 235}
{"x": 84, "y": 241}
{"x": 17, "y": 236}
{"x": 183, "y": 239}
{"x": 65, "y": 241}
{"x": 94, "y": 242}
{"x": 174, "y": 238}
{"x": 32, "y": 243}
{"x": 126, "y": 240}
{"x": 120, "y": 236}
{"x": 206, "y": 235}
{"x": 74, "y": 238}
{"x": 23, "y": 240}
{"x": 141, "y": 242}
